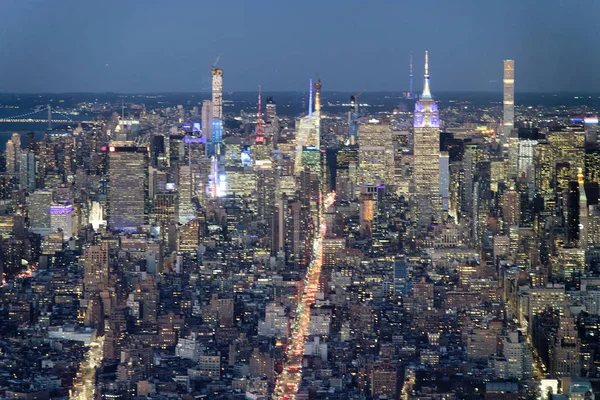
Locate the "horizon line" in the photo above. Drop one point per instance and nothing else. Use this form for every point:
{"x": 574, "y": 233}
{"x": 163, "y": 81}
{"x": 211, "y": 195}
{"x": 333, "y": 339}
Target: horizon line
{"x": 299, "y": 91}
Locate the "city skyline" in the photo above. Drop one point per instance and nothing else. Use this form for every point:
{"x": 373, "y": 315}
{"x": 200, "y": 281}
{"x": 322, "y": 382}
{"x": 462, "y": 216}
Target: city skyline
{"x": 214, "y": 233}
{"x": 154, "y": 49}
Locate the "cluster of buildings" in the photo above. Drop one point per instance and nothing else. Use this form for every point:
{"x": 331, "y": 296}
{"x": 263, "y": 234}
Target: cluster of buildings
{"x": 162, "y": 255}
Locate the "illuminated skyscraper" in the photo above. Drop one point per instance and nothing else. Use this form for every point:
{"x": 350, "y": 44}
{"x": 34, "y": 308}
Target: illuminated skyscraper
{"x": 509, "y": 98}
{"x": 38, "y": 207}
{"x": 426, "y": 172}
{"x": 217, "y": 93}
{"x": 375, "y": 154}
{"x": 308, "y": 132}
{"x": 270, "y": 110}
{"x": 27, "y": 170}
{"x": 95, "y": 264}
{"x": 186, "y": 208}
{"x": 128, "y": 186}
{"x": 61, "y": 218}
{"x": 207, "y": 111}
{"x": 511, "y": 207}
{"x": 13, "y": 150}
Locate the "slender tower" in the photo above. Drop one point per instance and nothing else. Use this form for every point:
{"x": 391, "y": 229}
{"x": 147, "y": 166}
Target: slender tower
{"x": 217, "y": 92}
{"x": 259, "y": 121}
{"x": 509, "y": 99}
{"x": 426, "y": 172}
{"x": 310, "y": 98}
{"x": 410, "y": 76}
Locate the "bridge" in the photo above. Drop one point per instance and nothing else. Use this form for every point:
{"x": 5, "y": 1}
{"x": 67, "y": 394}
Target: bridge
{"x": 28, "y": 117}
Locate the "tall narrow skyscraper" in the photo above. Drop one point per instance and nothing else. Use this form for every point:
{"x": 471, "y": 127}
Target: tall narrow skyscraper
{"x": 509, "y": 99}
{"x": 186, "y": 211}
{"x": 12, "y": 154}
{"x": 27, "y": 170}
{"x": 426, "y": 172}
{"x": 207, "y": 110}
{"x": 217, "y": 92}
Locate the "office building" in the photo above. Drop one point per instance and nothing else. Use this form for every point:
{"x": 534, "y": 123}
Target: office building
{"x": 217, "y": 93}
{"x": 27, "y": 171}
{"x": 38, "y": 206}
{"x": 128, "y": 186}
{"x": 61, "y": 219}
{"x": 186, "y": 210}
{"x": 207, "y": 116}
{"x": 426, "y": 169}
{"x": 270, "y": 110}
{"x": 375, "y": 154}
{"x": 12, "y": 154}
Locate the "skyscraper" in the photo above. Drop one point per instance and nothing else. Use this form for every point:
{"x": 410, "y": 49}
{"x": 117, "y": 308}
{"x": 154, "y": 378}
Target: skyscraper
{"x": 375, "y": 154}
{"x": 128, "y": 186}
{"x": 426, "y": 172}
{"x": 207, "y": 119}
{"x": 186, "y": 208}
{"x": 38, "y": 207}
{"x": 308, "y": 132}
{"x": 217, "y": 93}
{"x": 27, "y": 171}
{"x": 61, "y": 218}
{"x": 509, "y": 98}
{"x": 13, "y": 150}
{"x": 270, "y": 110}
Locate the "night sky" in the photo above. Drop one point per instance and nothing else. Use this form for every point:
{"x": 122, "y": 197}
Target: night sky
{"x": 160, "y": 45}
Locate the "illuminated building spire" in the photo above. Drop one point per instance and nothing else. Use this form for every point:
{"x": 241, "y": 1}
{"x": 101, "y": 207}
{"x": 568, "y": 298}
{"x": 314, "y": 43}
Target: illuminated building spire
{"x": 426, "y": 92}
{"x": 259, "y": 121}
{"x": 318, "y": 95}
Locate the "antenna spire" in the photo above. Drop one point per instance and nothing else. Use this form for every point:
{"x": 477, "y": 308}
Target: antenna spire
{"x": 426, "y": 92}
{"x": 259, "y": 122}
{"x": 410, "y": 88}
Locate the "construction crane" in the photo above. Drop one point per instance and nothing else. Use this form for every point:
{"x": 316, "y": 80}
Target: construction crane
{"x": 354, "y": 100}
{"x": 214, "y": 65}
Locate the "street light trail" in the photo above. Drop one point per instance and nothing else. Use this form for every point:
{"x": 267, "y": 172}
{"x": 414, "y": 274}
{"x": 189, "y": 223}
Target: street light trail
{"x": 290, "y": 378}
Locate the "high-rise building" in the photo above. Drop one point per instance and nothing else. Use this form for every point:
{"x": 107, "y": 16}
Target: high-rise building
{"x": 61, "y": 219}
{"x": 207, "y": 116}
{"x": 308, "y": 132}
{"x": 270, "y": 110}
{"x": 165, "y": 208}
{"x": 217, "y": 93}
{"x": 38, "y": 206}
{"x": 511, "y": 207}
{"x": 517, "y": 353}
{"x": 27, "y": 171}
{"x": 128, "y": 186}
{"x": 426, "y": 169}
{"x": 186, "y": 208}
{"x": 565, "y": 358}
{"x": 13, "y": 150}
{"x": 509, "y": 99}
{"x": 375, "y": 154}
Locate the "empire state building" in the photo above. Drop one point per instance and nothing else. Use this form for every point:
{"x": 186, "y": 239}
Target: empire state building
{"x": 426, "y": 170}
